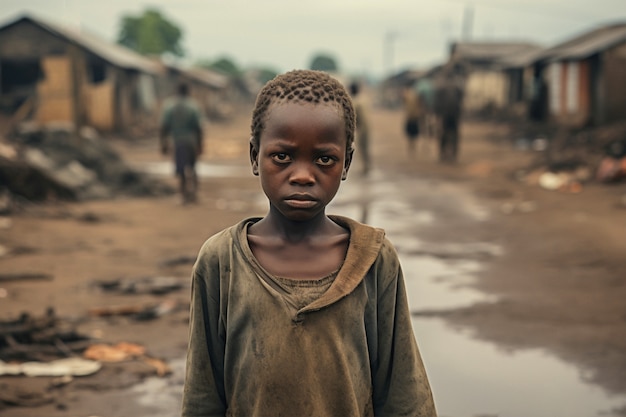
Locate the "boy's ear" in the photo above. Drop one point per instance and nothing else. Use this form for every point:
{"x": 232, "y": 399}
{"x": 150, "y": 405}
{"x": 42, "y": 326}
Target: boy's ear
{"x": 346, "y": 164}
{"x": 254, "y": 157}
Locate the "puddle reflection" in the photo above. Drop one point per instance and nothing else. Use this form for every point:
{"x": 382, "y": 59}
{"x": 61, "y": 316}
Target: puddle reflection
{"x": 203, "y": 169}
{"x": 473, "y": 378}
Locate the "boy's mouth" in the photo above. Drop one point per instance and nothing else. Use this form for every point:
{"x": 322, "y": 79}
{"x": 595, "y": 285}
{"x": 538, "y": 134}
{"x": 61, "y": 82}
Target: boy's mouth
{"x": 300, "y": 201}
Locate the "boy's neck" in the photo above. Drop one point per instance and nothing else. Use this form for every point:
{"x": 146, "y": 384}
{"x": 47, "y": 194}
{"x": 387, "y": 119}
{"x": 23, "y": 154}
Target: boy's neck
{"x": 275, "y": 224}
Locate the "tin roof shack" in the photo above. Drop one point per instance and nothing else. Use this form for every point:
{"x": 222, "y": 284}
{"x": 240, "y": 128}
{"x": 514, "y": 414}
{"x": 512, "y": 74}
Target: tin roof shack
{"x": 390, "y": 89}
{"x": 586, "y": 77}
{"x": 488, "y": 86}
{"x": 53, "y": 73}
{"x": 210, "y": 89}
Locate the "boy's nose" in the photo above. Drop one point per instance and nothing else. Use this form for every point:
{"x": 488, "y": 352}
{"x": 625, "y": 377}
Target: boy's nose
{"x": 302, "y": 174}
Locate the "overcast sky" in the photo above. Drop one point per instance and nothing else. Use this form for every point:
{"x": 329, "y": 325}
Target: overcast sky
{"x": 364, "y": 36}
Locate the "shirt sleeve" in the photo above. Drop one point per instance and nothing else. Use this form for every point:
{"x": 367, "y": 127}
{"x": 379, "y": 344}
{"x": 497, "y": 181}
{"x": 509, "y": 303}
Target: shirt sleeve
{"x": 400, "y": 383}
{"x": 203, "y": 393}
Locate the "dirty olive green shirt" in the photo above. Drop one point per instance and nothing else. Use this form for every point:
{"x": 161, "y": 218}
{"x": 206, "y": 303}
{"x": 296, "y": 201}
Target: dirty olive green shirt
{"x": 350, "y": 352}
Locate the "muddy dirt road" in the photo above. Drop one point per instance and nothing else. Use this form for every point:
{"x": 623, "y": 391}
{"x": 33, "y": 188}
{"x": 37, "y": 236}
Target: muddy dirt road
{"x": 507, "y": 272}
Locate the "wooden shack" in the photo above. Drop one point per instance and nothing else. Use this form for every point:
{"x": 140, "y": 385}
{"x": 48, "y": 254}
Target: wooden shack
{"x": 586, "y": 77}
{"x": 488, "y": 82}
{"x": 54, "y": 73}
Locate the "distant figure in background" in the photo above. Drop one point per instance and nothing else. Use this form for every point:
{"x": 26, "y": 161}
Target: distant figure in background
{"x": 538, "y": 108}
{"x": 362, "y": 127}
{"x": 448, "y": 101}
{"x": 412, "y": 115}
{"x": 182, "y": 122}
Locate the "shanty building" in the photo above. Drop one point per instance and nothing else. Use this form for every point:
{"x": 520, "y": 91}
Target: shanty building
{"x": 586, "y": 77}
{"x": 51, "y": 73}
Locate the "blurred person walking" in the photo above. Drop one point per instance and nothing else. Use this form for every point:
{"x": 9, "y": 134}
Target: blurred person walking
{"x": 181, "y": 125}
{"x": 362, "y": 127}
{"x": 448, "y": 103}
{"x": 412, "y": 115}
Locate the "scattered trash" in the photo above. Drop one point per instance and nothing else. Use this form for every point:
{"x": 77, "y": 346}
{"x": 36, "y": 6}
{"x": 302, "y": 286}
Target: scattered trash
{"x": 148, "y": 285}
{"x": 611, "y": 169}
{"x": 116, "y": 353}
{"x": 125, "y": 351}
{"x": 553, "y": 181}
{"x": 179, "y": 260}
{"x": 136, "y": 312}
{"x": 561, "y": 181}
{"x": 25, "y": 276}
{"x": 40, "y": 339}
{"x": 60, "y": 367}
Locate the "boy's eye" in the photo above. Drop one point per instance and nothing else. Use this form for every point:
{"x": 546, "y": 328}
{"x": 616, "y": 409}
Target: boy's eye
{"x": 326, "y": 160}
{"x": 281, "y": 157}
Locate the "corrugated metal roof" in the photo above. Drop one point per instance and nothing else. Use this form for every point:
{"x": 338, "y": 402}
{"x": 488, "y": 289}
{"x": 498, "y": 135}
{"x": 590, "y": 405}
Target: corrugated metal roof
{"x": 521, "y": 60}
{"x": 490, "y": 51}
{"x": 591, "y": 43}
{"x": 587, "y": 44}
{"x": 113, "y": 53}
{"x": 204, "y": 76}
{"x": 210, "y": 78}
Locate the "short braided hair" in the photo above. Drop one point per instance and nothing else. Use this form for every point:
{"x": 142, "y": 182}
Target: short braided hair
{"x": 305, "y": 86}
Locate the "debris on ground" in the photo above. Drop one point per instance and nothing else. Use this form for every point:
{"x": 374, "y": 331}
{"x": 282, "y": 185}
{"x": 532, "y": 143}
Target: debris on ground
{"x": 23, "y": 276}
{"x": 44, "y": 338}
{"x": 179, "y": 260}
{"x": 136, "y": 312}
{"x": 72, "y": 366}
{"x": 124, "y": 351}
{"x": 570, "y": 159}
{"x": 612, "y": 167}
{"x": 158, "y": 285}
{"x": 54, "y": 161}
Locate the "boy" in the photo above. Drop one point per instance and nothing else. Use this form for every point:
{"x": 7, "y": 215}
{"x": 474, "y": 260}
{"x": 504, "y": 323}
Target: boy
{"x": 299, "y": 313}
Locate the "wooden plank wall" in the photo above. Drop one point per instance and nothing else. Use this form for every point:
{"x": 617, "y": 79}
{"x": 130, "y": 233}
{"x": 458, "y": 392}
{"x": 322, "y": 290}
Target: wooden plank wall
{"x": 55, "y": 99}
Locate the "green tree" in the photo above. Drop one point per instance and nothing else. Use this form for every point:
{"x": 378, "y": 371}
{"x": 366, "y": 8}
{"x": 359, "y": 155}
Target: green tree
{"x": 266, "y": 74}
{"x": 324, "y": 62}
{"x": 150, "y": 34}
{"x": 224, "y": 65}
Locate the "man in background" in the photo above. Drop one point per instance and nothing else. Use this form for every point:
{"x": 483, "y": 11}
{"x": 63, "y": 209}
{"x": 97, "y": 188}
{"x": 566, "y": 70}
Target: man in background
{"x": 448, "y": 103}
{"x": 181, "y": 125}
{"x": 362, "y": 127}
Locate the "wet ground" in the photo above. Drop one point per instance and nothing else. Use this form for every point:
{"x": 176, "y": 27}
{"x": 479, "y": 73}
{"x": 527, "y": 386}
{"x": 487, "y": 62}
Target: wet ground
{"x": 502, "y": 330}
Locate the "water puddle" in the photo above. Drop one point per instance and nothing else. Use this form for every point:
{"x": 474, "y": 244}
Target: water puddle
{"x": 203, "y": 169}
{"x": 163, "y": 396}
{"x": 471, "y": 378}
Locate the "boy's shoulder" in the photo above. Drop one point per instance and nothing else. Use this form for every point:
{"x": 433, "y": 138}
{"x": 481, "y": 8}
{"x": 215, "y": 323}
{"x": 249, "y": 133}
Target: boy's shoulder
{"x": 226, "y": 237}
{"x": 365, "y": 237}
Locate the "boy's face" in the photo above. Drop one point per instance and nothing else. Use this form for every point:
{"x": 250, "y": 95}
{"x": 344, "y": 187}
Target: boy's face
{"x": 301, "y": 158}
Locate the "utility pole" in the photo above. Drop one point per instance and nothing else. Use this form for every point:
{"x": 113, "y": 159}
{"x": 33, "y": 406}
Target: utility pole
{"x": 390, "y": 37}
{"x": 468, "y": 22}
